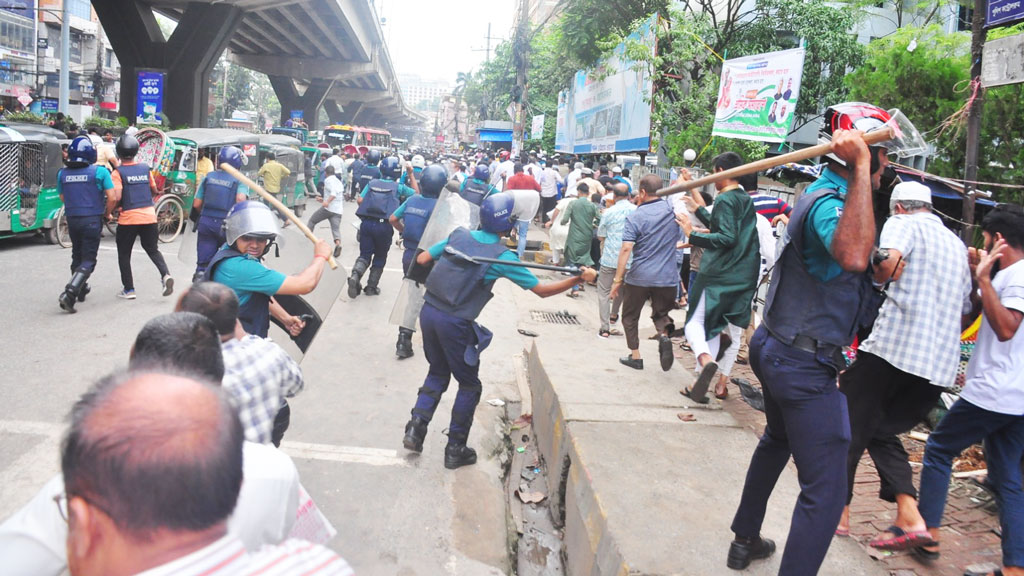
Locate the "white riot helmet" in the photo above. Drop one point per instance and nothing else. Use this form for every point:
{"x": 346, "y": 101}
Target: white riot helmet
{"x": 418, "y": 162}
{"x": 250, "y": 218}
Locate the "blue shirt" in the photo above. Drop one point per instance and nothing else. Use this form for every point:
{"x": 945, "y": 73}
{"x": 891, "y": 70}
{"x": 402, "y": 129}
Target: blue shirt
{"x": 653, "y": 229}
{"x": 820, "y": 227}
{"x": 490, "y": 189}
{"x": 246, "y": 276}
{"x": 518, "y": 274}
{"x": 103, "y": 180}
{"x": 613, "y": 223}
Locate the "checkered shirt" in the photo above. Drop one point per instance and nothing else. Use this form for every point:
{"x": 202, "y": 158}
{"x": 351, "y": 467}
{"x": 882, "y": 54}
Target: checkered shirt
{"x": 918, "y": 326}
{"x": 258, "y": 376}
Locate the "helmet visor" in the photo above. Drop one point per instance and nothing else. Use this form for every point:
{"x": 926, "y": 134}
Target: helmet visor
{"x": 905, "y": 140}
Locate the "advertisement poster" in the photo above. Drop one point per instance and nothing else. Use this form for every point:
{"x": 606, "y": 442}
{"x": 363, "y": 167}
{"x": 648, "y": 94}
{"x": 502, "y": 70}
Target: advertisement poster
{"x": 537, "y": 127}
{"x": 149, "y": 101}
{"x": 757, "y": 96}
{"x": 608, "y": 109}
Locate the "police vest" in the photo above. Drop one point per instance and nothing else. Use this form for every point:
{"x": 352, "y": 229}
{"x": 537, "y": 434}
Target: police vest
{"x": 135, "y": 192}
{"x": 219, "y": 192}
{"x": 380, "y": 201}
{"x": 799, "y": 304}
{"x": 82, "y": 196}
{"x": 366, "y": 175}
{"x": 255, "y": 313}
{"x": 475, "y": 191}
{"x": 417, "y": 214}
{"x": 456, "y": 285}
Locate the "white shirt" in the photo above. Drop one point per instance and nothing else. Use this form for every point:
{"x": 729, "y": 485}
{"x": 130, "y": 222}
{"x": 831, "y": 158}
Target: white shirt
{"x": 918, "y": 325}
{"x": 549, "y": 179}
{"x": 131, "y": 130}
{"x": 766, "y": 242}
{"x": 526, "y": 203}
{"x": 334, "y": 190}
{"x": 504, "y": 168}
{"x": 995, "y": 374}
{"x": 227, "y": 557}
{"x": 571, "y": 178}
{"x": 338, "y": 162}
{"x": 33, "y": 539}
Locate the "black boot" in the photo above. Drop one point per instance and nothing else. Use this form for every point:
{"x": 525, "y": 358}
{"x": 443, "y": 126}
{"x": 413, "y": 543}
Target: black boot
{"x": 85, "y": 292}
{"x": 358, "y": 269}
{"x": 403, "y": 349}
{"x": 743, "y": 550}
{"x": 456, "y": 455}
{"x": 72, "y": 291}
{"x": 372, "y": 280}
{"x": 415, "y": 434}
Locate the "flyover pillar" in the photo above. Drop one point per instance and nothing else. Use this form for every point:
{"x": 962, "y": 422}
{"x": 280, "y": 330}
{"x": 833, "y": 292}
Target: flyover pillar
{"x": 187, "y": 57}
{"x": 309, "y": 101}
{"x": 334, "y": 112}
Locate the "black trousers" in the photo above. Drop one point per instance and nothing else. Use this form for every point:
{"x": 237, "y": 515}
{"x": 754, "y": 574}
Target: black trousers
{"x": 149, "y": 235}
{"x": 281, "y": 423}
{"x": 883, "y": 401}
{"x": 547, "y": 204}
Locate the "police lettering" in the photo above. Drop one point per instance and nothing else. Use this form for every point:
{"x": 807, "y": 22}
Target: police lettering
{"x": 77, "y": 178}
{"x": 137, "y": 179}
{"x": 219, "y": 182}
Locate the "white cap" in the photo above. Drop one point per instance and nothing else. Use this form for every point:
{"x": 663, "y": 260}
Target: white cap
{"x": 914, "y": 191}
{"x": 617, "y": 170}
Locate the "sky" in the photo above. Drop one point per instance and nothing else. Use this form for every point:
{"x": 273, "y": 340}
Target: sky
{"x": 436, "y": 38}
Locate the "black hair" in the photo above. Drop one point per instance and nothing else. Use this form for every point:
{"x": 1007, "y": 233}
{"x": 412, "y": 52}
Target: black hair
{"x": 215, "y": 301}
{"x": 727, "y": 161}
{"x": 583, "y": 187}
{"x": 708, "y": 198}
{"x": 517, "y": 167}
{"x": 153, "y": 467}
{"x": 186, "y": 341}
{"x": 1007, "y": 220}
{"x": 625, "y": 172}
{"x": 749, "y": 182}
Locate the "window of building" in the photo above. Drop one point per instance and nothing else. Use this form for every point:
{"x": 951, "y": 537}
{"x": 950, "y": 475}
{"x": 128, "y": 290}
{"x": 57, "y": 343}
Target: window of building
{"x": 16, "y": 32}
{"x": 80, "y": 8}
{"x": 964, "y": 18}
{"x": 109, "y": 62}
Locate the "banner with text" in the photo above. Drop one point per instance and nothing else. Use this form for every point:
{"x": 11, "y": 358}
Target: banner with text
{"x": 537, "y": 127}
{"x": 608, "y": 109}
{"x": 757, "y": 96}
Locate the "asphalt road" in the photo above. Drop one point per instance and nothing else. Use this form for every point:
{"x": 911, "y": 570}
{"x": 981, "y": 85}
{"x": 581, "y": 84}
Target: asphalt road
{"x": 395, "y": 512}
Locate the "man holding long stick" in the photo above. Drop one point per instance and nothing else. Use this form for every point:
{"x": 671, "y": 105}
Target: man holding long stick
{"x": 818, "y": 299}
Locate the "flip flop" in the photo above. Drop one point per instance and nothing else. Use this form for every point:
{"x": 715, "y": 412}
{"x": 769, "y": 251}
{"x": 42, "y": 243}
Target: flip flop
{"x": 843, "y": 532}
{"x": 902, "y": 540}
{"x": 613, "y": 318}
{"x": 707, "y": 375}
{"x": 924, "y": 554}
{"x": 615, "y": 332}
{"x": 996, "y": 572}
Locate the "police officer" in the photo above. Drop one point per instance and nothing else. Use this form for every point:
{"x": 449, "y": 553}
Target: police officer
{"x": 250, "y": 227}
{"x": 369, "y": 171}
{"x": 457, "y": 290}
{"x": 88, "y": 195}
{"x": 377, "y": 202}
{"x": 475, "y": 189}
{"x": 410, "y": 219}
{"x": 217, "y": 193}
{"x": 135, "y": 187}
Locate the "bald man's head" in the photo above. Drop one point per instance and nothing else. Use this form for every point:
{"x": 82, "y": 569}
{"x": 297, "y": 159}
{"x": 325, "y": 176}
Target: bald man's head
{"x": 154, "y": 451}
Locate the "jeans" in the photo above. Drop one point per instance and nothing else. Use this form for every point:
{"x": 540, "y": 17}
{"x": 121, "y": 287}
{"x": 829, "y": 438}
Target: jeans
{"x": 375, "y": 241}
{"x": 806, "y": 417}
{"x": 85, "y": 242}
{"x": 605, "y": 308}
{"x": 322, "y": 214}
{"x": 522, "y": 227}
{"x": 962, "y": 426}
{"x": 149, "y": 236}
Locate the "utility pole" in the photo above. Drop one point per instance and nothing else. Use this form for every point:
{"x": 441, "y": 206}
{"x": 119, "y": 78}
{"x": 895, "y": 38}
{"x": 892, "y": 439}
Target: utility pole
{"x": 488, "y": 42}
{"x": 978, "y": 35}
{"x": 65, "y": 59}
{"x": 521, "y": 53}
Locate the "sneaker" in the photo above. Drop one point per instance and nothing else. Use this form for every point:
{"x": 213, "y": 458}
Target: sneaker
{"x": 126, "y": 294}
{"x": 168, "y": 284}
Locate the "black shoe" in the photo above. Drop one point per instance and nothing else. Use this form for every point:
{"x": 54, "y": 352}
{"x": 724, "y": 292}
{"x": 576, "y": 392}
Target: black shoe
{"x": 353, "y": 287}
{"x": 635, "y": 363}
{"x": 371, "y": 291}
{"x": 337, "y": 250}
{"x": 403, "y": 348}
{"x": 415, "y": 433}
{"x": 456, "y": 455}
{"x": 665, "y": 352}
{"x": 742, "y": 551}
{"x": 67, "y": 302}
{"x": 85, "y": 292}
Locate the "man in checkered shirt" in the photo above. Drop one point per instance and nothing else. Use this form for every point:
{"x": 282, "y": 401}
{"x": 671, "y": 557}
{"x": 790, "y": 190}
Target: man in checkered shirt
{"x": 913, "y": 351}
{"x": 258, "y": 374}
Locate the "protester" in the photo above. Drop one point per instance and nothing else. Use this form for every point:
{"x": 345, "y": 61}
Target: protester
{"x": 550, "y": 180}
{"x": 527, "y": 202}
{"x": 558, "y": 231}
{"x": 582, "y": 216}
{"x": 273, "y": 174}
{"x": 610, "y": 230}
{"x": 332, "y": 207}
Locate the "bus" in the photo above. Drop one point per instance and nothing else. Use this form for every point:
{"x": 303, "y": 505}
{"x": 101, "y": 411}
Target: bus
{"x": 359, "y": 139}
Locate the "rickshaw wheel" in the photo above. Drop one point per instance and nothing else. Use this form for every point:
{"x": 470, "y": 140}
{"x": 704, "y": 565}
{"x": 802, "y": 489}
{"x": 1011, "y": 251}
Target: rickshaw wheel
{"x": 170, "y": 217}
{"x": 58, "y": 233}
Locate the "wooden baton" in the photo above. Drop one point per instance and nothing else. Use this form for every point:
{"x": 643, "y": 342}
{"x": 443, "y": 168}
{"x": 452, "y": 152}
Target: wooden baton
{"x": 277, "y": 204}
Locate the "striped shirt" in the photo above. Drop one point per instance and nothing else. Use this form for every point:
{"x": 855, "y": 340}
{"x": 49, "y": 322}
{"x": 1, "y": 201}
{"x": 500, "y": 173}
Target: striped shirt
{"x": 770, "y": 206}
{"x": 227, "y": 557}
{"x": 918, "y": 326}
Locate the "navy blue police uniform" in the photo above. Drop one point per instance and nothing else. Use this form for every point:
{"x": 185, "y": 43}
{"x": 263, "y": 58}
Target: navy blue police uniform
{"x": 218, "y": 192}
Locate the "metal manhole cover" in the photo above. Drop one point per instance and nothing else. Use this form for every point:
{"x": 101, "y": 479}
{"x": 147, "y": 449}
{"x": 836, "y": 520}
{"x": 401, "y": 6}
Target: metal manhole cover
{"x": 563, "y": 317}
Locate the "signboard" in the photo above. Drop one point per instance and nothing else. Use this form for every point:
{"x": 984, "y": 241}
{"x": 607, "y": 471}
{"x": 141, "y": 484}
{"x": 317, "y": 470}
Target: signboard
{"x": 48, "y": 106}
{"x": 757, "y": 96}
{"x": 562, "y": 142}
{"x": 537, "y": 127}
{"x": 1002, "y": 61}
{"x": 42, "y": 43}
{"x": 25, "y": 99}
{"x": 296, "y": 114}
{"x": 1003, "y": 12}
{"x": 149, "y": 97}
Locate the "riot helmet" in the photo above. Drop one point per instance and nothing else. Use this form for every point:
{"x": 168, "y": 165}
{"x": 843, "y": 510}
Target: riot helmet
{"x": 496, "y": 213}
{"x": 372, "y": 157}
{"x": 81, "y": 151}
{"x": 418, "y": 161}
{"x": 230, "y": 155}
{"x": 127, "y": 146}
{"x": 482, "y": 172}
{"x": 432, "y": 181}
{"x": 853, "y": 116}
{"x": 250, "y": 218}
{"x": 391, "y": 167}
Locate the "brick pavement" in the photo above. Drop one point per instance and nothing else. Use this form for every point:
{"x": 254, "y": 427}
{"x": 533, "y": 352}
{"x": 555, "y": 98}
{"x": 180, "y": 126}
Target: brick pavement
{"x": 970, "y": 526}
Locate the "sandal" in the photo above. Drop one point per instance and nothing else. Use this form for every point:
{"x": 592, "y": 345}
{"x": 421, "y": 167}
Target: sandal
{"x": 572, "y": 295}
{"x": 902, "y": 540}
{"x": 615, "y": 332}
{"x": 925, "y": 554}
{"x": 686, "y": 392}
{"x": 614, "y": 318}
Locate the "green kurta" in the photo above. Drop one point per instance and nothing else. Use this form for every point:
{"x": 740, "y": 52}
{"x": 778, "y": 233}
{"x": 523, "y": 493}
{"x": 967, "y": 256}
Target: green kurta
{"x": 732, "y": 257}
{"x": 583, "y": 217}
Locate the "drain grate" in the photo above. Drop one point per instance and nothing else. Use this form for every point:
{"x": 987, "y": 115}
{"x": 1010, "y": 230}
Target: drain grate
{"x": 563, "y": 317}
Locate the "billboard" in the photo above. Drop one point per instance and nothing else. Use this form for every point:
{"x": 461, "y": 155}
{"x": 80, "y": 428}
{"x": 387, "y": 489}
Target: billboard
{"x": 149, "y": 97}
{"x": 757, "y": 96}
{"x": 537, "y": 127}
{"x": 608, "y": 109}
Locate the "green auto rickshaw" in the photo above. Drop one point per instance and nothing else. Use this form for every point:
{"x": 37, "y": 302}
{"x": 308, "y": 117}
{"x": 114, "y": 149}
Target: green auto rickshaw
{"x": 286, "y": 151}
{"x": 30, "y": 157}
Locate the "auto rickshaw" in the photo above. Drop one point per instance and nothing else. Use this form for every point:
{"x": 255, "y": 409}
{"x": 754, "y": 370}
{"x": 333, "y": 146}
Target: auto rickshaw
{"x": 30, "y": 157}
{"x": 286, "y": 151}
{"x": 300, "y": 134}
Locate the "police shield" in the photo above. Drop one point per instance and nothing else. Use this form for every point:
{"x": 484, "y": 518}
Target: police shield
{"x": 450, "y": 212}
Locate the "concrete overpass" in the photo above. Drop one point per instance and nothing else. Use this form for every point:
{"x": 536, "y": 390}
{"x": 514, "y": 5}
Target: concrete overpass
{"x": 317, "y": 53}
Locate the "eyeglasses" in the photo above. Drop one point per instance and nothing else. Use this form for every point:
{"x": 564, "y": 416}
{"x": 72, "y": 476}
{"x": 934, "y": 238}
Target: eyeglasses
{"x": 61, "y": 500}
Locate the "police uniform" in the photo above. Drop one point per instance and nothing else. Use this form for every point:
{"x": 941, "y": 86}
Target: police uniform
{"x": 218, "y": 191}
{"x": 84, "y": 192}
{"x": 253, "y": 282}
{"x": 475, "y": 191}
{"x": 137, "y": 220}
{"x": 414, "y": 213}
{"x": 379, "y": 201}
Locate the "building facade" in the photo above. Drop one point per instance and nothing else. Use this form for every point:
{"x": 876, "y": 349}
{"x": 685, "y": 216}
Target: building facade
{"x": 421, "y": 94}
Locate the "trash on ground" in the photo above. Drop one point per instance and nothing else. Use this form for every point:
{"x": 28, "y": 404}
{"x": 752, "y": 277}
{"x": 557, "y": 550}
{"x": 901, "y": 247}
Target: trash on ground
{"x": 751, "y": 394}
{"x": 496, "y": 402}
{"x": 530, "y": 497}
{"x": 687, "y": 417}
{"x": 521, "y": 449}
